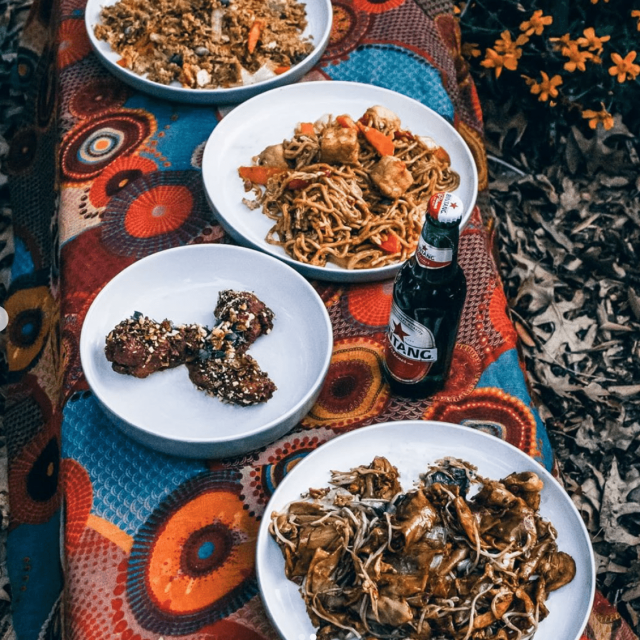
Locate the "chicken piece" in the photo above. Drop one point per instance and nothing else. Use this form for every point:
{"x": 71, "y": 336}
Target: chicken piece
{"x": 273, "y": 156}
{"x": 381, "y": 118}
{"x": 339, "y": 145}
{"x": 140, "y": 346}
{"x": 246, "y": 315}
{"x": 557, "y": 569}
{"x": 526, "y": 485}
{"x": 391, "y": 176}
{"x": 235, "y": 378}
{"x": 394, "y": 612}
{"x": 415, "y": 515}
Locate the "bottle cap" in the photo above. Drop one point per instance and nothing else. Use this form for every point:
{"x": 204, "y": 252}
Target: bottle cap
{"x": 445, "y": 207}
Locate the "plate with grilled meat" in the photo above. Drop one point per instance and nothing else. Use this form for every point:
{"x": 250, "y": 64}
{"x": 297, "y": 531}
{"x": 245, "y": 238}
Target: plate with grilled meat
{"x": 206, "y": 351}
{"x": 423, "y": 530}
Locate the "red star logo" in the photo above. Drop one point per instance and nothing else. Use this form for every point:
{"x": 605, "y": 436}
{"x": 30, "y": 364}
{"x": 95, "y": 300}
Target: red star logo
{"x": 454, "y": 205}
{"x": 399, "y": 331}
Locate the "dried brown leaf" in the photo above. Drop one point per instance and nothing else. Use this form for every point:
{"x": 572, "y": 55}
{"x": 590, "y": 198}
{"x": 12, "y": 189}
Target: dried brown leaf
{"x": 615, "y": 505}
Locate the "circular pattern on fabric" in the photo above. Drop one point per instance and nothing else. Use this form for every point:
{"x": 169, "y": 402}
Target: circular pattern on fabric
{"x": 117, "y": 176}
{"x": 78, "y": 498}
{"x": 466, "y": 368}
{"x": 261, "y": 478}
{"x": 196, "y": 156}
{"x": 26, "y": 64}
{"x": 494, "y": 411}
{"x": 354, "y": 390}
{"x": 329, "y": 293}
{"x": 192, "y": 561}
{"x": 31, "y": 314}
{"x": 73, "y": 42}
{"x": 377, "y": 6}
{"x": 89, "y": 147}
{"x": 348, "y": 27}
{"x": 158, "y": 211}
{"x": 370, "y": 305}
{"x": 22, "y": 151}
{"x": 98, "y": 95}
{"x": 33, "y": 477}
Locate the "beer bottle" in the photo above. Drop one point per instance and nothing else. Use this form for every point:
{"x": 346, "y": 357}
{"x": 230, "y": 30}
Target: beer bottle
{"x": 428, "y": 296}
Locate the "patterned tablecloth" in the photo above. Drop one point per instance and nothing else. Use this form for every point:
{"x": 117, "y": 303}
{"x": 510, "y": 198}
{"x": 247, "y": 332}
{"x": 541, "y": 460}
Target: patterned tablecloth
{"x": 118, "y": 155}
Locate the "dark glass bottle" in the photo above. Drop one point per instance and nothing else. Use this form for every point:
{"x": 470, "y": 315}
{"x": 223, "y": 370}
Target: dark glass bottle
{"x": 428, "y": 296}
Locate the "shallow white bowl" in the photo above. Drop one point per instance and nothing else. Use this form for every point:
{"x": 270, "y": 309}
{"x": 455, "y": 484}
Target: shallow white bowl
{"x": 272, "y": 117}
{"x": 411, "y": 446}
{"x": 165, "y": 411}
{"x": 319, "y": 17}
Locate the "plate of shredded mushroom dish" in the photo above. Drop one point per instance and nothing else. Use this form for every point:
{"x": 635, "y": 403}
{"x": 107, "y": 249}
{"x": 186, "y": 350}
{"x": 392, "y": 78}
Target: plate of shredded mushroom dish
{"x": 206, "y": 351}
{"x": 419, "y": 530}
{"x": 208, "y": 51}
{"x": 334, "y": 178}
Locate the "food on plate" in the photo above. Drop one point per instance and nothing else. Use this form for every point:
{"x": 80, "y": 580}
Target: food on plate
{"x": 206, "y": 44}
{"x": 458, "y": 556}
{"x": 353, "y": 193}
{"x": 140, "y": 346}
{"x": 215, "y": 358}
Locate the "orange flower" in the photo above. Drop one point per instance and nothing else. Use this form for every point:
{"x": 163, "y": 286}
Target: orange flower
{"x": 636, "y": 14}
{"x": 596, "y": 117}
{"x": 536, "y": 23}
{"x": 493, "y": 60}
{"x": 592, "y": 41}
{"x": 596, "y": 1}
{"x": 563, "y": 42}
{"x": 576, "y": 57}
{"x": 470, "y": 50}
{"x": 506, "y": 45}
{"x": 546, "y": 88}
{"x": 624, "y": 68}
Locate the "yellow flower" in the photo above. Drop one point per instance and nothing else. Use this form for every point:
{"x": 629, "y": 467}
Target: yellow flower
{"x": 576, "y": 57}
{"x": 536, "y": 23}
{"x": 470, "y": 50}
{"x": 636, "y": 14}
{"x": 563, "y": 42}
{"x": 506, "y": 45}
{"x": 546, "y": 88}
{"x": 493, "y": 60}
{"x": 596, "y": 117}
{"x": 592, "y": 41}
{"x": 624, "y": 68}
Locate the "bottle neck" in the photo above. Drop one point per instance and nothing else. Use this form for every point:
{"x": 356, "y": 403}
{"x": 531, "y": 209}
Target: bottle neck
{"x": 436, "y": 257}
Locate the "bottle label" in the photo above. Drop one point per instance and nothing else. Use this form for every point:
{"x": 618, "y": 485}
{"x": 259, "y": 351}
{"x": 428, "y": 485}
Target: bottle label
{"x": 411, "y": 349}
{"x": 431, "y": 257}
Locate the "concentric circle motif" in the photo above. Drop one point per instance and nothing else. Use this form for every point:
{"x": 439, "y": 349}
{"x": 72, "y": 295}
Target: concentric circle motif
{"x": 192, "y": 562}
{"x": 157, "y": 211}
{"x": 329, "y": 293}
{"x": 22, "y": 151}
{"x": 78, "y": 498}
{"x": 33, "y": 477}
{"x": 89, "y": 147}
{"x": 98, "y": 95}
{"x": 26, "y": 65}
{"x": 466, "y": 368}
{"x": 117, "y": 176}
{"x": 261, "y": 478}
{"x": 377, "y": 6}
{"x": 369, "y": 305}
{"x": 348, "y": 27}
{"x": 354, "y": 390}
{"x": 493, "y": 411}
{"x": 73, "y": 42}
{"x": 31, "y": 314}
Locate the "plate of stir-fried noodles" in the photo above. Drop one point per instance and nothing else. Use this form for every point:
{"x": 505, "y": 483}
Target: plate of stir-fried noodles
{"x": 334, "y": 178}
{"x": 419, "y": 530}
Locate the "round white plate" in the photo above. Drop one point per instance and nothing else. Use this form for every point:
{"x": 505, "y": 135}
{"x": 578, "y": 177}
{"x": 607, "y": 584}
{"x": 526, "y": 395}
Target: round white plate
{"x": 411, "y": 446}
{"x": 272, "y": 117}
{"x": 319, "y": 17}
{"x": 165, "y": 411}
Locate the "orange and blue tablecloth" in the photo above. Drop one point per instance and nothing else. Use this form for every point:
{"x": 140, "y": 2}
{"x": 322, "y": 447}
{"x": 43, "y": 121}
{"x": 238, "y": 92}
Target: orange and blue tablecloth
{"x": 92, "y": 156}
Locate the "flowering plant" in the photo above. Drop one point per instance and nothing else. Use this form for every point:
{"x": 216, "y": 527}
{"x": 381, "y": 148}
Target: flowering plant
{"x": 569, "y": 62}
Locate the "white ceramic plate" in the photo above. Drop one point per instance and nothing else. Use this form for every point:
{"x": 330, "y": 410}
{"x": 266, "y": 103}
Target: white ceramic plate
{"x": 411, "y": 446}
{"x": 272, "y": 117}
{"x": 165, "y": 411}
{"x": 319, "y": 17}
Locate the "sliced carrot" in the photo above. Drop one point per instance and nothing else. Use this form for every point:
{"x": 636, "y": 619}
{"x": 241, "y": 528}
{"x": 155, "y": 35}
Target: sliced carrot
{"x": 345, "y": 122}
{"x": 122, "y": 62}
{"x": 306, "y": 129}
{"x": 254, "y": 35}
{"x": 282, "y": 69}
{"x": 391, "y": 244}
{"x": 442, "y": 155}
{"x": 258, "y": 174}
{"x": 381, "y": 143}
